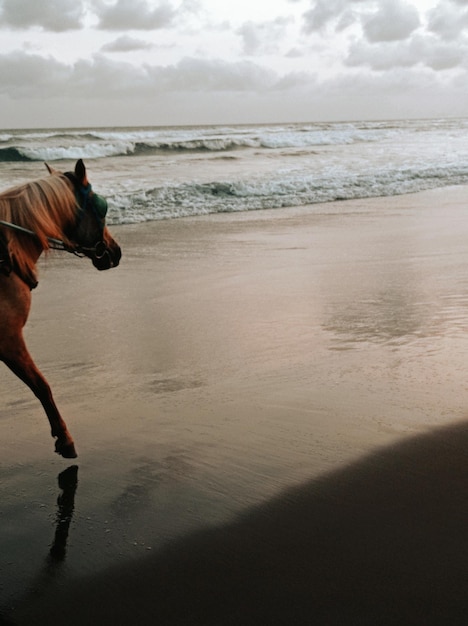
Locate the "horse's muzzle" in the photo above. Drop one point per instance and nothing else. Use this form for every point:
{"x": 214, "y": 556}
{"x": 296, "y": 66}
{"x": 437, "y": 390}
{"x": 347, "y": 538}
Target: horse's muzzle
{"x": 106, "y": 257}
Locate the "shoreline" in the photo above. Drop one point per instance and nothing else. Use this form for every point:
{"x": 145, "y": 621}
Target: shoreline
{"x": 278, "y": 365}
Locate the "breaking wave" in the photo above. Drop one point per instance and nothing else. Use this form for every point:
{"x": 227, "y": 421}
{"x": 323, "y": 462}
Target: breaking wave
{"x": 51, "y": 146}
{"x": 246, "y": 168}
{"x": 193, "y": 199}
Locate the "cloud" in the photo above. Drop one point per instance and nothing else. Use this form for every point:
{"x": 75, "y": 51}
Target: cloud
{"x": 209, "y": 91}
{"x": 387, "y": 34}
{"x": 380, "y": 58}
{"x": 394, "y": 21}
{"x": 51, "y": 15}
{"x": 192, "y": 74}
{"x": 382, "y": 20}
{"x": 32, "y": 76}
{"x": 135, "y": 15}
{"x": 126, "y": 44}
{"x": 447, "y": 20}
{"x": 294, "y": 53}
{"x": 25, "y": 75}
{"x": 322, "y": 13}
{"x": 424, "y": 50}
{"x": 262, "y": 38}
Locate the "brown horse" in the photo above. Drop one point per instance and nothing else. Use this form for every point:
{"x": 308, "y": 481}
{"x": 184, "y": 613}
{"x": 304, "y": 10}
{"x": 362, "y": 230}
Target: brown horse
{"x": 60, "y": 211}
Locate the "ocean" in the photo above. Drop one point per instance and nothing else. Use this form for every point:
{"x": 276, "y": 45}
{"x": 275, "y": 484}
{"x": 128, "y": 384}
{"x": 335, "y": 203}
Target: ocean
{"x": 153, "y": 173}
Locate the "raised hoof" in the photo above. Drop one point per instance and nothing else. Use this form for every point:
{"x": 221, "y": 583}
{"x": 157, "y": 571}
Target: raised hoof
{"x": 67, "y": 450}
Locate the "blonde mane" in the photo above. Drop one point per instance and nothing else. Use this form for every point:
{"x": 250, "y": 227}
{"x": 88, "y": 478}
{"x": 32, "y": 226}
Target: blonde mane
{"x": 43, "y": 206}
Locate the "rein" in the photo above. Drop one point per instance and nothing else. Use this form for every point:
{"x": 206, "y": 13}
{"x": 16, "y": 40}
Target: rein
{"x": 56, "y": 244}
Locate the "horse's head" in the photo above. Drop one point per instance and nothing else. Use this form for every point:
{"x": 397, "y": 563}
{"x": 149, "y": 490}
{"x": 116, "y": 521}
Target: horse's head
{"x": 89, "y": 231}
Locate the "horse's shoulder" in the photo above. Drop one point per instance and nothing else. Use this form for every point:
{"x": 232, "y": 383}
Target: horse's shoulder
{"x": 15, "y": 304}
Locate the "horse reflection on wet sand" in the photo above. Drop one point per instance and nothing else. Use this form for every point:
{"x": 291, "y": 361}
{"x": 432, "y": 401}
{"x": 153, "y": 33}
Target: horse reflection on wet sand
{"x": 52, "y": 570}
{"x": 68, "y": 482}
{"x": 60, "y": 211}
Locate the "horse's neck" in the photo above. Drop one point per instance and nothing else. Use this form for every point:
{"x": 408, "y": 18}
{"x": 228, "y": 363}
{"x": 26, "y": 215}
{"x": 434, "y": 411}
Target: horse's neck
{"x": 24, "y": 266}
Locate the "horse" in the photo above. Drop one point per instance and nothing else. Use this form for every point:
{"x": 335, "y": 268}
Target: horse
{"x": 59, "y": 211}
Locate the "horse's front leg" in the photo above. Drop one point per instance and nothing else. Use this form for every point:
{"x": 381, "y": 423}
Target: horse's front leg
{"x": 24, "y": 367}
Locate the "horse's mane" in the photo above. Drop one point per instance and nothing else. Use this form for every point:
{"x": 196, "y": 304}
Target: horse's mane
{"x": 43, "y": 206}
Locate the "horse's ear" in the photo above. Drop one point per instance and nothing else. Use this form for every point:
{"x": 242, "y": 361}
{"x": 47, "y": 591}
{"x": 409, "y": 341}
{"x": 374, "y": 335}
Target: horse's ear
{"x": 80, "y": 173}
{"x": 51, "y": 169}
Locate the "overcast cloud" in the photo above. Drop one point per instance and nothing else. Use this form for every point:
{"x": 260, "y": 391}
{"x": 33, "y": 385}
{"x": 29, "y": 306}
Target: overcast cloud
{"x": 132, "y": 62}
{"x": 126, "y": 15}
{"x": 56, "y": 16}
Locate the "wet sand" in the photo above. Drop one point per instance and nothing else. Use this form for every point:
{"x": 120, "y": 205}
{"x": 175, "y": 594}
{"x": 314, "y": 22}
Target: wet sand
{"x": 270, "y": 411}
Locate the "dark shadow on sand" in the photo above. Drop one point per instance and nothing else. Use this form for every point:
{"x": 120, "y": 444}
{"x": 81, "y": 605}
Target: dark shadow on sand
{"x": 68, "y": 483}
{"x": 382, "y": 541}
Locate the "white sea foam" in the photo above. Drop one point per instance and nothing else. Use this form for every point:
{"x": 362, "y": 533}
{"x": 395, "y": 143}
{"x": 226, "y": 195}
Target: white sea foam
{"x": 90, "y": 151}
{"x": 159, "y": 173}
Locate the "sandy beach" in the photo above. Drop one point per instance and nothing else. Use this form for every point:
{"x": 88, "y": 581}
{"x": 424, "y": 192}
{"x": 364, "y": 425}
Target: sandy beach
{"x": 270, "y": 412}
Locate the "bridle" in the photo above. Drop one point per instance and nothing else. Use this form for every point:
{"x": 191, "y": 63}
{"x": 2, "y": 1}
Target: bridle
{"x": 86, "y": 200}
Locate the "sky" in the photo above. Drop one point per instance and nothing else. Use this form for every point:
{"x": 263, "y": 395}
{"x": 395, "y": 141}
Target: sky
{"x": 181, "y": 62}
